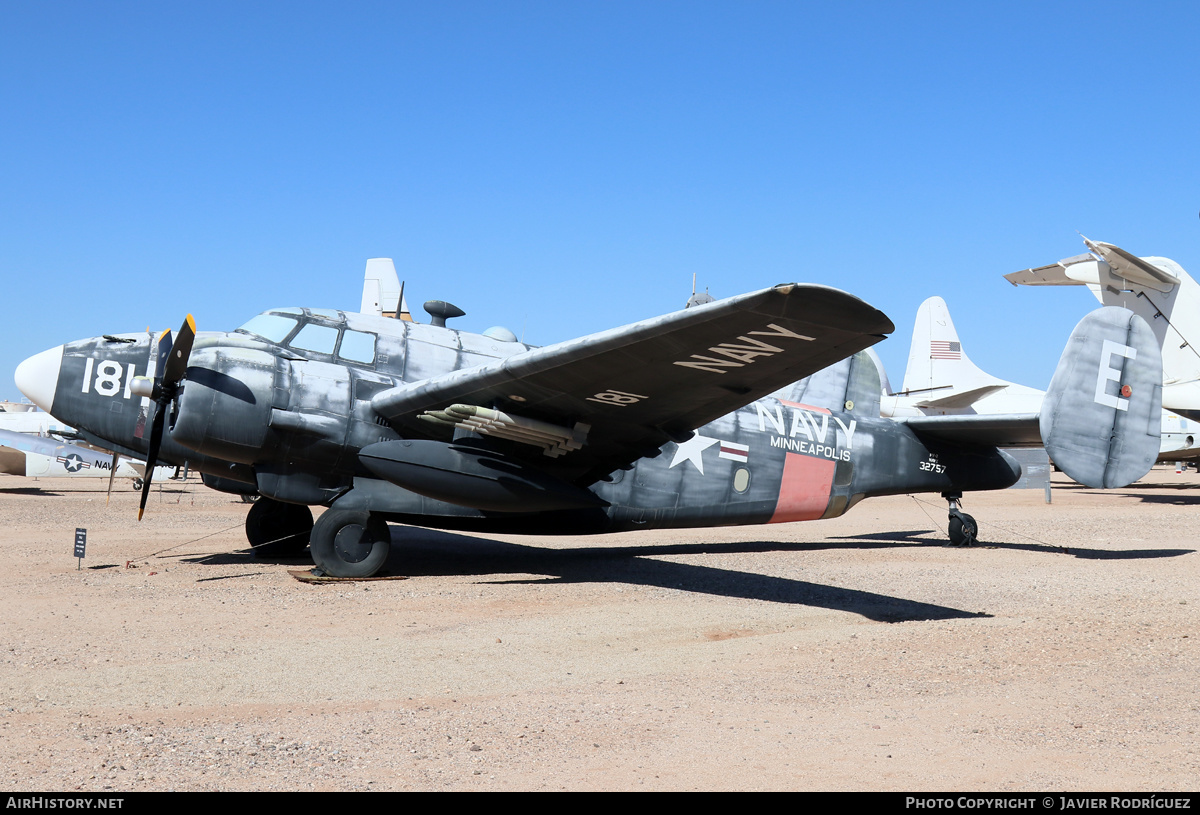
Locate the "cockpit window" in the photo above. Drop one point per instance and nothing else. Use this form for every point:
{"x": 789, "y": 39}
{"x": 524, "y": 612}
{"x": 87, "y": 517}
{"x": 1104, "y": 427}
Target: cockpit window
{"x": 270, "y": 327}
{"x": 358, "y": 347}
{"x": 325, "y": 312}
{"x": 314, "y": 337}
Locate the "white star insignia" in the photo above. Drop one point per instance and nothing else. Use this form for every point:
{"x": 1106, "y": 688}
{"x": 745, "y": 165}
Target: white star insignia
{"x": 692, "y": 449}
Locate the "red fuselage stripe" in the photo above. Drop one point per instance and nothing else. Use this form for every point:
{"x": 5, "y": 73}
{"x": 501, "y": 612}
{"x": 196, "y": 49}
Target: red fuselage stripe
{"x": 804, "y": 492}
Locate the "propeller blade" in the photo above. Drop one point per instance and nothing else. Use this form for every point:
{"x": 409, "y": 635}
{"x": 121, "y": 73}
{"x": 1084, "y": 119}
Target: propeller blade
{"x": 112, "y": 473}
{"x": 156, "y": 431}
{"x": 164, "y": 351}
{"x": 181, "y": 349}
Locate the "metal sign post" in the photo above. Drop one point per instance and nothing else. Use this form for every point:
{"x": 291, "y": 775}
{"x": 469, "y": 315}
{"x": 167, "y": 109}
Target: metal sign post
{"x": 80, "y": 547}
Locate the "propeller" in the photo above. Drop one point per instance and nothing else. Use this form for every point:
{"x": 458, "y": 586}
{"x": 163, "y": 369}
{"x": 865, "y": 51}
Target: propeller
{"x": 112, "y": 473}
{"x": 168, "y": 374}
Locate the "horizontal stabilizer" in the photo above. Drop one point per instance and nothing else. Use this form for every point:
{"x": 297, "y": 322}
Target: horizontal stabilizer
{"x": 990, "y": 430}
{"x": 1102, "y": 415}
{"x": 1136, "y": 270}
{"x": 962, "y": 399}
{"x": 1094, "y": 268}
{"x": 1052, "y": 274}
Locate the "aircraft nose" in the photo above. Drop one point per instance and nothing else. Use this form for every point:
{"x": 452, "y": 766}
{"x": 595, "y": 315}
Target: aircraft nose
{"x": 37, "y": 377}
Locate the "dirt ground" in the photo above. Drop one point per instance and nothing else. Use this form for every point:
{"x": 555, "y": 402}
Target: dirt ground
{"x": 860, "y": 653}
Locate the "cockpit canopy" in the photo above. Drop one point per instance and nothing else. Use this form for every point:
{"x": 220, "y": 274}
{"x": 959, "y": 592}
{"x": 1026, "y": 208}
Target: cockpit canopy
{"x": 314, "y": 330}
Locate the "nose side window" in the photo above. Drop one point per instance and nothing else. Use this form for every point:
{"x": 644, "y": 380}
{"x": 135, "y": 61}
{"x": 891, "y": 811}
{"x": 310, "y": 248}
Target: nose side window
{"x": 320, "y": 339}
{"x": 357, "y": 347}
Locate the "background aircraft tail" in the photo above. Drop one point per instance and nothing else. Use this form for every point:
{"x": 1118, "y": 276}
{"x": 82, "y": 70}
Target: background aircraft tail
{"x": 382, "y": 294}
{"x": 1156, "y": 289}
{"x": 939, "y": 372}
{"x": 1102, "y": 415}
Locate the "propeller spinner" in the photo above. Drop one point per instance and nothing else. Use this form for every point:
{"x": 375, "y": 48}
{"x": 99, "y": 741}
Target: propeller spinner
{"x": 168, "y": 374}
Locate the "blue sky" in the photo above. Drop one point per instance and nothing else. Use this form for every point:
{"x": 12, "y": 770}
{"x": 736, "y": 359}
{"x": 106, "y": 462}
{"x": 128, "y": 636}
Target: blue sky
{"x": 565, "y": 167}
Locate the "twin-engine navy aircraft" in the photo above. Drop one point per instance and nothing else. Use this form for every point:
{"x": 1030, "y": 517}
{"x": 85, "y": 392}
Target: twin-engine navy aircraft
{"x": 753, "y": 409}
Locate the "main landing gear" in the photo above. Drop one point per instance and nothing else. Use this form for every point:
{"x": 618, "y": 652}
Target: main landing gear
{"x": 343, "y": 542}
{"x": 278, "y": 530}
{"x": 963, "y": 529}
{"x": 350, "y": 543}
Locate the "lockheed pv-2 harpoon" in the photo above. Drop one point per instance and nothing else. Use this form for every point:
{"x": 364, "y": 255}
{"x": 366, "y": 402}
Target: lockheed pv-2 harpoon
{"x": 754, "y": 409}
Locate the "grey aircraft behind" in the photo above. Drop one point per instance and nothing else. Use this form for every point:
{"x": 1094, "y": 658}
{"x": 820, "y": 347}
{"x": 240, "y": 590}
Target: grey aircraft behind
{"x": 26, "y": 454}
{"x": 748, "y": 410}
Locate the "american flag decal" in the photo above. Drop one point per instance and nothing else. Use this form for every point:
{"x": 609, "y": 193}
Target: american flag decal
{"x": 735, "y": 452}
{"x": 942, "y": 349}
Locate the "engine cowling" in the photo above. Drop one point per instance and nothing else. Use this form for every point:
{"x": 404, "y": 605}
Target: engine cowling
{"x": 225, "y": 404}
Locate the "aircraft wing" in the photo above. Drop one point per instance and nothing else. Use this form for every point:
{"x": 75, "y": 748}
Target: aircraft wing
{"x": 1186, "y": 454}
{"x": 627, "y": 391}
{"x": 995, "y": 430}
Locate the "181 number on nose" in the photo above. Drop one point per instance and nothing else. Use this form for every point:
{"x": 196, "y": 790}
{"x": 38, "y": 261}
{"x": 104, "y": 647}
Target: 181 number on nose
{"x": 107, "y": 378}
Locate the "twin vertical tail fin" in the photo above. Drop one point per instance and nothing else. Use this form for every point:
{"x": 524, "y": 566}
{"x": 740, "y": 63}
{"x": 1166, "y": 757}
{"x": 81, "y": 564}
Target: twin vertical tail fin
{"x": 383, "y": 293}
{"x": 1101, "y": 418}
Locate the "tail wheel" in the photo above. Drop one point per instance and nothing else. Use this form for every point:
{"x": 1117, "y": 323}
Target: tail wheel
{"x": 278, "y": 530}
{"x": 350, "y": 543}
{"x": 963, "y": 530}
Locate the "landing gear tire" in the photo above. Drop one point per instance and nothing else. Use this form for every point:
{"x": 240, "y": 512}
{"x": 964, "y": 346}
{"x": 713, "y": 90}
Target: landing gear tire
{"x": 350, "y": 543}
{"x": 963, "y": 530}
{"x": 278, "y": 530}
{"x": 137, "y": 485}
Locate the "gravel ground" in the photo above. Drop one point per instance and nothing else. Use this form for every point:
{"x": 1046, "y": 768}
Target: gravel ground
{"x": 856, "y": 653}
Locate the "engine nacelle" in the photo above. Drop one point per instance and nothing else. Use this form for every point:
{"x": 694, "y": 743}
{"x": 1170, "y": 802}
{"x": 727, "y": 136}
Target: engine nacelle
{"x": 472, "y": 477}
{"x": 225, "y": 406}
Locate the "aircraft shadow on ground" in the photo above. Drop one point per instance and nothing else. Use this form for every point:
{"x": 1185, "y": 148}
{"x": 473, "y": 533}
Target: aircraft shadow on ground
{"x": 876, "y": 540}
{"x": 1177, "y": 494}
{"x": 29, "y": 491}
{"x": 426, "y": 552}
{"x": 431, "y": 552}
{"x": 1085, "y": 553}
{"x": 418, "y": 552}
{"x": 1179, "y": 500}
{"x": 912, "y": 539}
